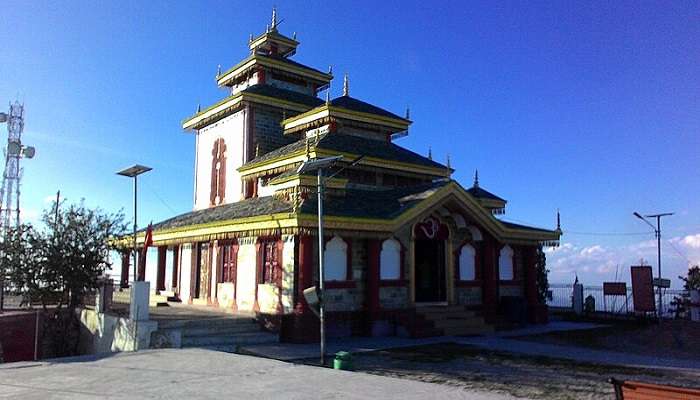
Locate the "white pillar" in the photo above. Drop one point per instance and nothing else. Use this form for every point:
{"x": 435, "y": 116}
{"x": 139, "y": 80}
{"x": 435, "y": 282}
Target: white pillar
{"x": 140, "y": 294}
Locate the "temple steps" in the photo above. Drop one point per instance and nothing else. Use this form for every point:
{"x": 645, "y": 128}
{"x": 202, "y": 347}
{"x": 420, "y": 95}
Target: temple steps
{"x": 237, "y": 338}
{"x": 431, "y": 321}
{"x": 221, "y": 334}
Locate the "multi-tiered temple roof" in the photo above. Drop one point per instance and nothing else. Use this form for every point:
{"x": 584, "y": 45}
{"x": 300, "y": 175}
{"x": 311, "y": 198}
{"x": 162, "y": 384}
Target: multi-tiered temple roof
{"x": 387, "y": 187}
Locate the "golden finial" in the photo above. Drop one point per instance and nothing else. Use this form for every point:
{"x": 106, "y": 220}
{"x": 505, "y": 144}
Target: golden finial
{"x": 330, "y": 69}
{"x": 250, "y": 38}
{"x": 274, "y": 18}
{"x": 294, "y": 36}
{"x": 346, "y": 85}
{"x": 476, "y": 178}
{"x": 430, "y": 153}
{"x": 558, "y": 221}
{"x": 199, "y": 108}
{"x": 218, "y": 70}
{"x": 408, "y": 113}
{"x": 257, "y": 150}
{"x": 449, "y": 164}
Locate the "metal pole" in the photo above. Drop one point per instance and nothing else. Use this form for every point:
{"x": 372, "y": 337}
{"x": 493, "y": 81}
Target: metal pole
{"x": 658, "y": 247}
{"x": 321, "y": 275}
{"x": 135, "y": 198}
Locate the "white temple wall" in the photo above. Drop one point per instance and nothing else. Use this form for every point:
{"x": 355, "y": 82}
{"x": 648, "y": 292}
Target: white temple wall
{"x": 231, "y": 129}
{"x": 245, "y": 274}
{"x": 185, "y": 272}
{"x": 152, "y": 266}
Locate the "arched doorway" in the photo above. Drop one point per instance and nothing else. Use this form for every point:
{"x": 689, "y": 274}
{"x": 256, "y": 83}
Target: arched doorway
{"x": 429, "y": 261}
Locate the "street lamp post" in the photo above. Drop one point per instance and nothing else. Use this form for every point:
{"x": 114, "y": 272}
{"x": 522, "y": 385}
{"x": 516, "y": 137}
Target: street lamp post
{"x": 319, "y": 165}
{"x": 133, "y": 172}
{"x": 657, "y": 233}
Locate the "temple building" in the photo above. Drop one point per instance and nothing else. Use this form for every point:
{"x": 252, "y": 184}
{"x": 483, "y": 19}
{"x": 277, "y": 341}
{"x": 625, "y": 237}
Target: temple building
{"x": 404, "y": 243}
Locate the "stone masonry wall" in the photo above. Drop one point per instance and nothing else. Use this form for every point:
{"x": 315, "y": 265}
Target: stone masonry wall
{"x": 468, "y": 296}
{"x": 268, "y": 131}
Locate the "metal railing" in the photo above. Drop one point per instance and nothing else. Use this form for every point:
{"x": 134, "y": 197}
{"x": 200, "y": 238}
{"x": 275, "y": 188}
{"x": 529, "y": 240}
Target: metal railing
{"x": 560, "y": 295}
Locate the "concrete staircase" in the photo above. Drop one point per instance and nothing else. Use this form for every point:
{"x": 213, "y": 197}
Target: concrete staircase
{"x": 220, "y": 334}
{"x": 447, "y": 321}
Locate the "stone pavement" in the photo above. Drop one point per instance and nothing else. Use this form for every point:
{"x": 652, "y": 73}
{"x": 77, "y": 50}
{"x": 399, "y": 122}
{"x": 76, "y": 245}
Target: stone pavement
{"x": 501, "y": 341}
{"x": 289, "y": 352}
{"x": 202, "y": 374}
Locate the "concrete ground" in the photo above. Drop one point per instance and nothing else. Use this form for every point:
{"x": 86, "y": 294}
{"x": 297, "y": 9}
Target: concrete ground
{"x": 202, "y": 374}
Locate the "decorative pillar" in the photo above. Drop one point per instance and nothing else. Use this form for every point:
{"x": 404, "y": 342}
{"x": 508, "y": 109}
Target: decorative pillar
{"x": 176, "y": 269}
{"x": 141, "y": 275}
{"x": 305, "y": 271}
{"x": 490, "y": 294}
{"x": 373, "y": 255}
{"x": 126, "y": 263}
{"x": 160, "y": 271}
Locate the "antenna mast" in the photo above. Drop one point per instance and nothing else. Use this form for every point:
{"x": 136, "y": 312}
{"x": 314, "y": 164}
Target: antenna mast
{"x": 11, "y": 178}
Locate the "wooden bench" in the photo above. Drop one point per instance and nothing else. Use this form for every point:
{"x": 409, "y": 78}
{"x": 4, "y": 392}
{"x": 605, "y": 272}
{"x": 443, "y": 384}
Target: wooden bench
{"x": 631, "y": 390}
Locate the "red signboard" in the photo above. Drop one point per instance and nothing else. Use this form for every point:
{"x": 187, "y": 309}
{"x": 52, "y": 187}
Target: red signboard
{"x": 642, "y": 289}
{"x": 614, "y": 289}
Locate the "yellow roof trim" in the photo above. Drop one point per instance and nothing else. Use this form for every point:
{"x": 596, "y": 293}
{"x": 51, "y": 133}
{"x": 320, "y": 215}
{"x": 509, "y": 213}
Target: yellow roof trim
{"x": 234, "y": 100}
{"x": 257, "y": 59}
{"x": 326, "y": 110}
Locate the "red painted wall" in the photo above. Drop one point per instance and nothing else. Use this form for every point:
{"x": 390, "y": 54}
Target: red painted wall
{"x": 17, "y": 335}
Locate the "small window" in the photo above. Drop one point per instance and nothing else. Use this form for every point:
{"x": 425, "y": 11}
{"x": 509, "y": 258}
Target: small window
{"x": 271, "y": 269}
{"x": 390, "y": 260}
{"x": 467, "y": 263}
{"x": 505, "y": 264}
{"x": 336, "y": 260}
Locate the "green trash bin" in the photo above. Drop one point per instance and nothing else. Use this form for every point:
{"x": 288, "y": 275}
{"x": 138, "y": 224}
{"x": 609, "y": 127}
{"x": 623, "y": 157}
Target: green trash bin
{"x": 343, "y": 360}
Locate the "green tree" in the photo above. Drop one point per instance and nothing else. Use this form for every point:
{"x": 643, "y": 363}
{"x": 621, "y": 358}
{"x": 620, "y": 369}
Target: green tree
{"x": 59, "y": 264}
{"x": 542, "y": 271}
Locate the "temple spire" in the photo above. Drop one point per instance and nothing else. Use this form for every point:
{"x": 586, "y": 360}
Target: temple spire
{"x": 408, "y": 113}
{"x": 199, "y": 108}
{"x": 430, "y": 153}
{"x": 449, "y": 164}
{"x": 273, "y": 25}
{"x": 346, "y": 85}
{"x": 218, "y": 70}
{"x": 476, "y": 178}
{"x": 558, "y": 221}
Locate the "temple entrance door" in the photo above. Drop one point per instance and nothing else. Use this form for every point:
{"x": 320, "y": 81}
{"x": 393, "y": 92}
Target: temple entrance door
{"x": 431, "y": 286}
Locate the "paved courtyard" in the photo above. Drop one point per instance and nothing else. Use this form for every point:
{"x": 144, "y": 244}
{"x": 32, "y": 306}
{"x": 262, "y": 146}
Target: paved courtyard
{"x": 202, "y": 374}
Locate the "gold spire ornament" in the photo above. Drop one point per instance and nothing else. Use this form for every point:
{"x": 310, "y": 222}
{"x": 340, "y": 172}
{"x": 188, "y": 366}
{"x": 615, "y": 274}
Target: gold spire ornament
{"x": 558, "y": 222}
{"x": 408, "y": 113}
{"x": 274, "y": 19}
{"x": 218, "y": 70}
{"x": 199, "y": 108}
{"x": 346, "y": 85}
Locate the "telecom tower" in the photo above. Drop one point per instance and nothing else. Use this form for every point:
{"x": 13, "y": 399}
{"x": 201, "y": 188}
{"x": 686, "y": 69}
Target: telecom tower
{"x": 9, "y": 193}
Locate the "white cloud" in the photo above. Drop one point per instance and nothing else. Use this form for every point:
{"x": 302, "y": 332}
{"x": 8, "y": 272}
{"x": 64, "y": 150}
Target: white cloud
{"x": 598, "y": 262}
{"x": 692, "y": 241}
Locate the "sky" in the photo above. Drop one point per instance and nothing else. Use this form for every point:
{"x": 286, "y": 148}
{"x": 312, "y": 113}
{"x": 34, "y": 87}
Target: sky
{"x": 592, "y": 108}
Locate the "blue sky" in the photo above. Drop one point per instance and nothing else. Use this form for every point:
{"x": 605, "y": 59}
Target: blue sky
{"x": 589, "y": 107}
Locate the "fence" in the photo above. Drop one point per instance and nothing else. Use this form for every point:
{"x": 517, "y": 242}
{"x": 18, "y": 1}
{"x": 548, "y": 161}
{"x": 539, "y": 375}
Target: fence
{"x": 560, "y": 296}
